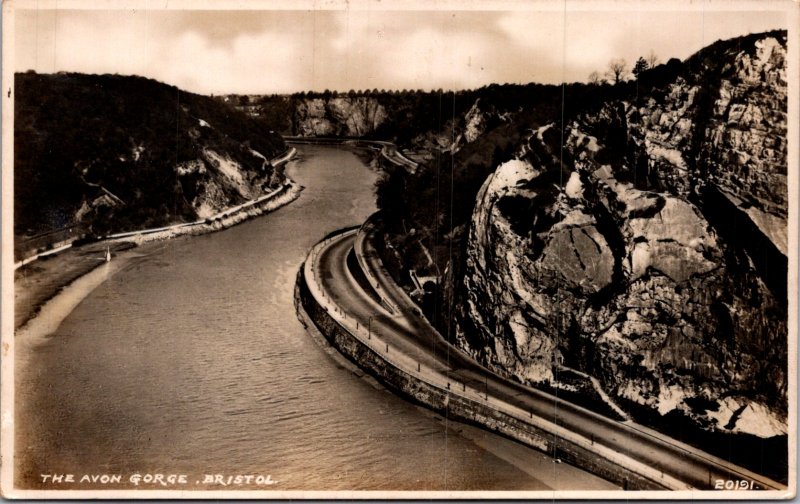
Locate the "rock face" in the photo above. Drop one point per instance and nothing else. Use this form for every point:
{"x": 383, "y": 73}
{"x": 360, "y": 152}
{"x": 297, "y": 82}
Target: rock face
{"x": 613, "y": 264}
{"x": 747, "y": 137}
{"x": 338, "y": 116}
{"x": 219, "y": 180}
{"x": 456, "y": 133}
{"x": 730, "y": 126}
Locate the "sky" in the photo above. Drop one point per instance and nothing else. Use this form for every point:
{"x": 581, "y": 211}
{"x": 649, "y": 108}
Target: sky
{"x": 369, "y": 44}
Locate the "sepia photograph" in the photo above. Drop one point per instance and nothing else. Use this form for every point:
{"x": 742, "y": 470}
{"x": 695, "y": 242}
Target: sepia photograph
{"x": 386, "y": 249}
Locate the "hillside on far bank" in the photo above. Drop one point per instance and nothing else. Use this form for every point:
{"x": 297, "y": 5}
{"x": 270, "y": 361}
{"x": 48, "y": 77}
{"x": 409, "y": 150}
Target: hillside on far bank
{"x": 95, "y": 154}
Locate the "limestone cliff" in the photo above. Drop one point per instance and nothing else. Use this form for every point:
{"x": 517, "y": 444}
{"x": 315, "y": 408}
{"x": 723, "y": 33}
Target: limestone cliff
{"x": 426, "y": 121}
{"x": 607, "y": 254}
{"x": 338, "y": 116}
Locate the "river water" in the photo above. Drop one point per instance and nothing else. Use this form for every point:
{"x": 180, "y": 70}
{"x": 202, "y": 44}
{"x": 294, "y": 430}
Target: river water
{"x": 188, "y": 358}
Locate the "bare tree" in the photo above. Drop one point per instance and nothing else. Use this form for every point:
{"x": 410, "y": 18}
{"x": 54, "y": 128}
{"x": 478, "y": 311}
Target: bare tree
{"x": 652, "y": 59}
{"x": 616, "y": 69}
{"x": 595, "y": 78}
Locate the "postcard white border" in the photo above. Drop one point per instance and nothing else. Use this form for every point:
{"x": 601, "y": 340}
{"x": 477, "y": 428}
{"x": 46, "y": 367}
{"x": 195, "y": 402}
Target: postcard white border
{"x": 790, "y": 7}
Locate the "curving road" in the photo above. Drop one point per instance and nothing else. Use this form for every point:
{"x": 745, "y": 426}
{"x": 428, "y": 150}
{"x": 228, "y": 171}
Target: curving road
{"x": 392, "y": 321}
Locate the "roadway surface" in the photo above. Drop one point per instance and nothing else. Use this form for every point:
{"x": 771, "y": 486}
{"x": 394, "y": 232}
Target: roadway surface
{"x": 672, "y": 464}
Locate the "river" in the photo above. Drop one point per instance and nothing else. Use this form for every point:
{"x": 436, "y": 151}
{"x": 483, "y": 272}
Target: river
{"x": 188, "y": 358}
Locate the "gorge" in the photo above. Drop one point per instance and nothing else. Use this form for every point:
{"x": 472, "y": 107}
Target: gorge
{"x": 623, "y": 246}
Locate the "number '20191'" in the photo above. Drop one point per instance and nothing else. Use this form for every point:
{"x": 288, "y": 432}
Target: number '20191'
{"x": 734, "y": 485}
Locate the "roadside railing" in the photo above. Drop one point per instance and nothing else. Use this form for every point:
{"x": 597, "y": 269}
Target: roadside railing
{"x": 437, "y": 376}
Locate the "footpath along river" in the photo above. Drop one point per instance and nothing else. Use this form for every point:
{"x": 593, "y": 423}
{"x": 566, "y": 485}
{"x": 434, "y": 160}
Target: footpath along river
{"x": 189, "y": 359}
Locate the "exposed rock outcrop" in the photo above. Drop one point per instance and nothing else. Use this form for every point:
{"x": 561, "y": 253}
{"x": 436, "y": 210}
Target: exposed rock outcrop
{"x": 338, "y": 116}
{"x": 605, "y": 257}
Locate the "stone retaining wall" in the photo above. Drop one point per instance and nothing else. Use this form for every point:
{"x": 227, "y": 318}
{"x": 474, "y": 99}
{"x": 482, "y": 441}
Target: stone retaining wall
{"x": 458, "y": 407}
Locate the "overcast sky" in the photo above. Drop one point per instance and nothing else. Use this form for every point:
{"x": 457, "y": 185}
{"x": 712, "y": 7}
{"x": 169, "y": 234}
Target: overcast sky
{"x": 367, "y": 46}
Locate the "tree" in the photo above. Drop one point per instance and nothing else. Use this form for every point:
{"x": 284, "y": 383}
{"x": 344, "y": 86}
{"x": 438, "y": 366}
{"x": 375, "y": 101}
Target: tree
{"x": 640, "y": 66}
{"x": 652, "y": 59}
{"x": 616, "y": 69}
{"x": 595, "y": 78}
